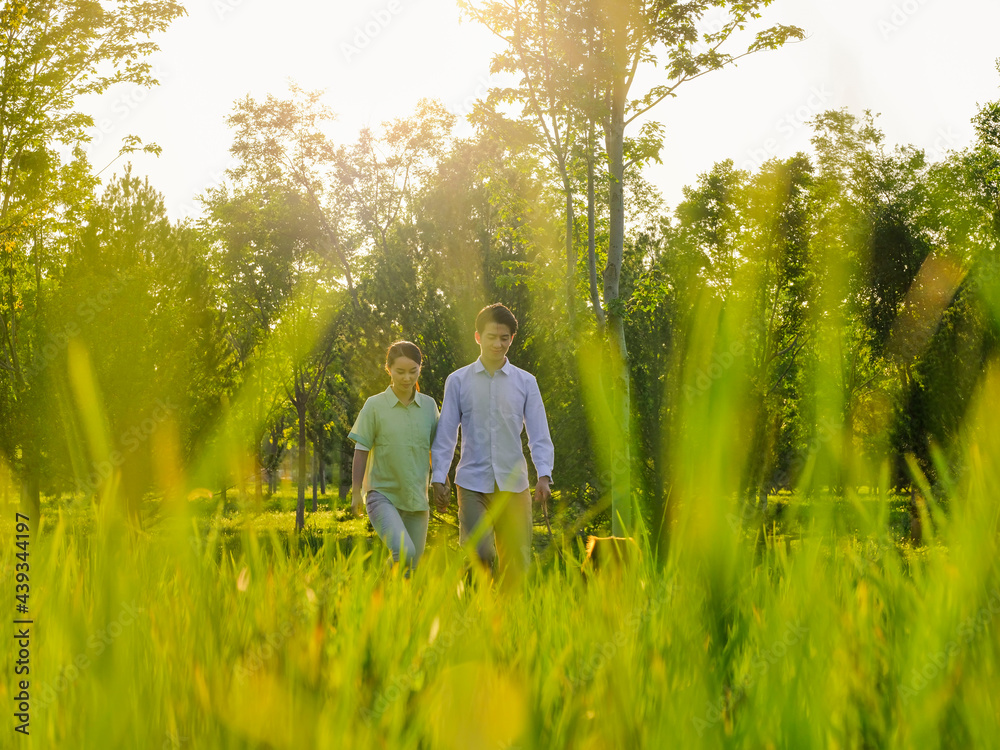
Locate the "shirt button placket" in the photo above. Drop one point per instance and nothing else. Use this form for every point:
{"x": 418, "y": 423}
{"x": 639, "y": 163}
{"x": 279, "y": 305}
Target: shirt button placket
{"x": 493, "y": 422}
{"x": 493, "y": 427}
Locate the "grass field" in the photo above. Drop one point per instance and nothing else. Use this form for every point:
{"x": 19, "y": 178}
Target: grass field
{"x": 217, "y": 629}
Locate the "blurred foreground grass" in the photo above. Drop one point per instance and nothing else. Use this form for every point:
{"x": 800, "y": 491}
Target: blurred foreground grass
{"x": 222, "y": 630}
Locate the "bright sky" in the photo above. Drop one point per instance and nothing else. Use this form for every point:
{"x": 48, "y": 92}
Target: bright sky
{"x": 923, "y": 64}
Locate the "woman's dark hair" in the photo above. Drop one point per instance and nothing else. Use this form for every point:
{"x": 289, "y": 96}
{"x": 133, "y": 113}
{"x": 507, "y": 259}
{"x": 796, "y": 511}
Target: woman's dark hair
{"x": 496, "y": 313}
{"x": 403, "y": 349}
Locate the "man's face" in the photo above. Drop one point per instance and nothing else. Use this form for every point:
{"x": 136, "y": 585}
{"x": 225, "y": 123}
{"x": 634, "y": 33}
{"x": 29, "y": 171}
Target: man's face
{"x": 494, "y": 342}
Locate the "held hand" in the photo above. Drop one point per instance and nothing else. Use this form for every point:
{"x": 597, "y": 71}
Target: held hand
{"x": 441, "y": 496}
{"x": 543, "y": 493}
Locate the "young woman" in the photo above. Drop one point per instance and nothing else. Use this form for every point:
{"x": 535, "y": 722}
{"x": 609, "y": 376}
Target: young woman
{"x": 393, "y": 435}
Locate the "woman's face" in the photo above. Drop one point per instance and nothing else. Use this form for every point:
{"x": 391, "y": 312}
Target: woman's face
{"x": 404, "y": 373}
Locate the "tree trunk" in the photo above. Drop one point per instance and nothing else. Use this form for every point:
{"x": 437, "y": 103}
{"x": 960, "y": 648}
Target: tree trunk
{"x": 300, "y": 507}
{"x": 241, "y": 477}
{"x": 914, "y": 507}
{"x": 595, "y": 297}
{"x": 31, "y": 501}
{"x": 621, "y": 454}
{"x": 315, "y": 479}
{"x": 570, "y": 251}
{"x": 320, "y": 448}
{"x": 258, "y": 482}
{"x": 754, "y": 474}
{"x": 274, "y": 451}
{"x": 346, "y": 455}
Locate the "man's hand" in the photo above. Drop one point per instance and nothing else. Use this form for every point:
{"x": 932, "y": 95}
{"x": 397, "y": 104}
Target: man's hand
{"x": 542, "y": 494}
{"x": 442, "y": 494}
{"x": 356, "y": 504}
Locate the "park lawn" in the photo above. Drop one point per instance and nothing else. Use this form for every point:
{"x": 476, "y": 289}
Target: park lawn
{"x": 218, "y": 628}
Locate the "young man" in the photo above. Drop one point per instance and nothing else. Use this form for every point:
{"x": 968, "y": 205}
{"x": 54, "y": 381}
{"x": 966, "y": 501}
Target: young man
{"x": 493, "y": 401}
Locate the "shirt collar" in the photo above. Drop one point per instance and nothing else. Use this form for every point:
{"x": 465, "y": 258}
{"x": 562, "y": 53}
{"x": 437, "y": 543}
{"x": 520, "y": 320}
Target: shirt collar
{"x": 478, "y": 366}
{"x": 394, "y": 399}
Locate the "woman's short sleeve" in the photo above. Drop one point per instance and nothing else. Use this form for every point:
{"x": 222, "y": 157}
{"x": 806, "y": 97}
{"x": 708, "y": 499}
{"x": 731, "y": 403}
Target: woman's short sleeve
{"x": 363, "y": 431}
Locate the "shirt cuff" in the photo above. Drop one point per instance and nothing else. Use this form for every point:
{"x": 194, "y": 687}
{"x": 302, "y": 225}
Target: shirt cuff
{"x": 359, "y": 441}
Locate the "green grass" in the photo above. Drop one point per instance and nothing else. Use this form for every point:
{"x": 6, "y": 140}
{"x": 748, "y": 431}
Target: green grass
{"x": 222, "y": 629}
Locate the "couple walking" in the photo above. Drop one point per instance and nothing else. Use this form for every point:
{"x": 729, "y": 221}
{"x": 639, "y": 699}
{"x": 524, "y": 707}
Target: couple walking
{"x": 398, "y": 430}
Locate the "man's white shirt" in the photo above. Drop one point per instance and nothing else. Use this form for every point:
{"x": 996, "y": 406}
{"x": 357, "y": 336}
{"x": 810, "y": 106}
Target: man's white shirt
{"x": 492, "y": 412}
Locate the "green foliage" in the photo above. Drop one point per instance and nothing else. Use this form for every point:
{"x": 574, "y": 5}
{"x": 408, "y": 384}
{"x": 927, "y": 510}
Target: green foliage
{"x": 51, "y": 54}
{"x": 250, "y": 633}
{"x": 825, "y": 325}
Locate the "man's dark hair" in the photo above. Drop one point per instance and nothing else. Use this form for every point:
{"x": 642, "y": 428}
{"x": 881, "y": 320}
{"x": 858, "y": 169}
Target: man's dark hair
{"x": 496, "y": 313}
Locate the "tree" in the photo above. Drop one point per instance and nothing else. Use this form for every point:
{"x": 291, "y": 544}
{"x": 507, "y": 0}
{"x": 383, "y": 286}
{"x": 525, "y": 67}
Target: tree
{"x": 747, "y": 237}
{"x": 380, "y": 181}
{"x": 53, "y": 53}
{"x": 281, "y": 142}
{"x": 621, "y": 37}
{"x": 136, "y": 297}
{"x": 312, "y": 337}
{"x": 255, "y": 230}
{"x": 294, "y": 217}
{"x": 866, "y": 253}
{"x": 553, "y": 83}
{"x": 946, "y": 331}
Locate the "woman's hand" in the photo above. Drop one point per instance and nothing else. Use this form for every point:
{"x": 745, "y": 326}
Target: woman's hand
{"x": 442, "y": 494}
{"x": 357, "y": 505}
